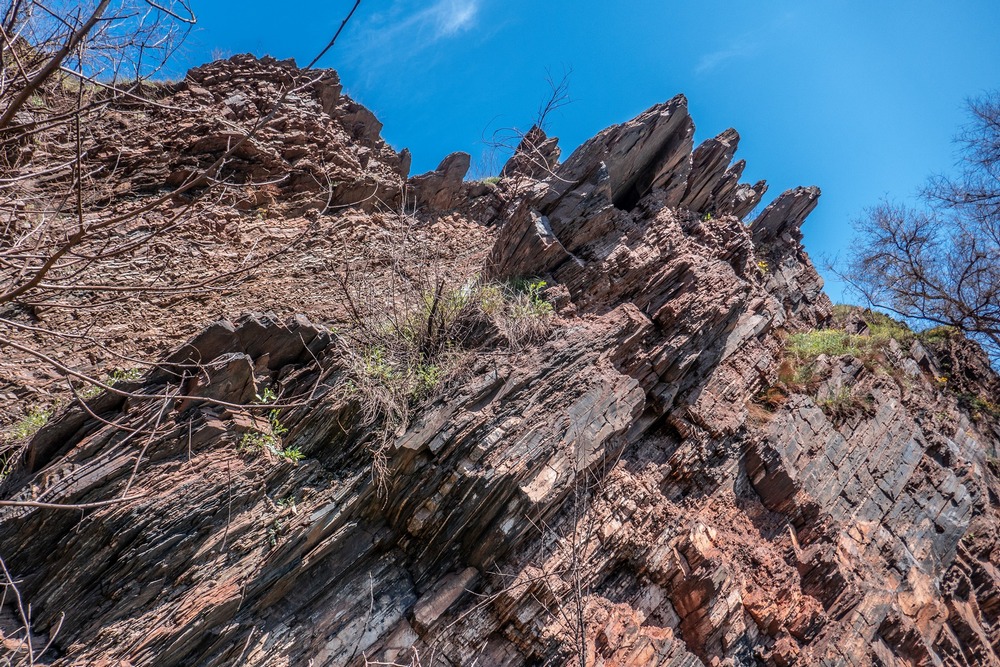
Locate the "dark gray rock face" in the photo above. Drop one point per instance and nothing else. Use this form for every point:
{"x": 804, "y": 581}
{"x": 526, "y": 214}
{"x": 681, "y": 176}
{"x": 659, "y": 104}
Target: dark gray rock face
{"x": 782, "y": 219}
{"x": 709, "y": 165}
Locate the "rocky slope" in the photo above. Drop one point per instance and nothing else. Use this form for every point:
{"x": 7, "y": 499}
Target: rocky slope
{"x": 653, "y": 483}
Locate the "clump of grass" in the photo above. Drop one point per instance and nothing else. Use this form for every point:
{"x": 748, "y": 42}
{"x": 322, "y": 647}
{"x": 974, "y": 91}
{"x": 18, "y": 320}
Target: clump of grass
{"x": 399, "y": 358}
{"x": 938, "y": 335}
{"x": 491, "y": 180}
{"x": 844, "y": 403}
{"x": 518, "y": 309}
{"x": 807, "y": 346}
{"x": 117, "y": 376}
{"x": 15, "y": 440}
{"x": 801, "y": 369}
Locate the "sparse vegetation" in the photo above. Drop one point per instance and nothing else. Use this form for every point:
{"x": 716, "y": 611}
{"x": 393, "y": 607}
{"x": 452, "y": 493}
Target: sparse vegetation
{"x": 844, "y": 403}
{"x": 979, "y": 406}
{"x": 801, "y": 369}
{"x": 806, "y": 346}
{"x": 117, "y": 376}
{"x": 13, "y": 442}
{"x": 491, "y": 180}
{"x": 937, "y": 262}
{"x": 938, "y": 335}
{"x": 31, "y": 423}
{"x": 269, "y": 438}
{"x": 410, "y": 332}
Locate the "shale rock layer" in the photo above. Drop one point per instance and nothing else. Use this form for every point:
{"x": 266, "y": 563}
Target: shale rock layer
{"x": 616, "y": 494}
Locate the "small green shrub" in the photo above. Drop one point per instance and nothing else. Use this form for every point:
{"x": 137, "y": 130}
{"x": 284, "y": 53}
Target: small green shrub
{"x": 30, "y": 423}
{"x": 266, "y": 396}
{"x": 401, "y": 347}
{"x": 428, "y": 376}
{"x": 938, "y": 335}
{"x": 762, "y": 267}
{"x": 269, "y": 439}
{"x": 491, "y": 180}
{"x": 293, "y": 454}
{"x": 273, "y": 531}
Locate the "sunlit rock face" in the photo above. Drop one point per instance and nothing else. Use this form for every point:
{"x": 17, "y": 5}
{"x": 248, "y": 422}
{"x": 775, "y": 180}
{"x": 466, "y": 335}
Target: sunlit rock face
{"x": 618, "y": 493}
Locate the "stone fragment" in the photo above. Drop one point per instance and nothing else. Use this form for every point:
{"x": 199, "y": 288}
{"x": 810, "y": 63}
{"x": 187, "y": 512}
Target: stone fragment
{"x": 441, "y": 597}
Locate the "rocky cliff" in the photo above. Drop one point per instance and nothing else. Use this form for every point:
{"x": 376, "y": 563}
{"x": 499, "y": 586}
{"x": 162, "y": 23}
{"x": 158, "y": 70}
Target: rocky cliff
{"x": 678, "y": 471}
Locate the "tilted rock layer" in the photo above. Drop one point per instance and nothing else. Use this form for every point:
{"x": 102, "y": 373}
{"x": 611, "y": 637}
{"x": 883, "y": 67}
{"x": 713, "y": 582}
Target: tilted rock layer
{"x": 612, "y": 495}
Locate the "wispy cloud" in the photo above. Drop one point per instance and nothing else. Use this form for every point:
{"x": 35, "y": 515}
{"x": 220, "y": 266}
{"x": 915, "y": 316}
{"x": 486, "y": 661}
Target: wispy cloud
{"x": 434, "y": 21}
{"x": 713, "y": 60}
{"x": 747, "y": 44}
{"x": 452, "y": 16}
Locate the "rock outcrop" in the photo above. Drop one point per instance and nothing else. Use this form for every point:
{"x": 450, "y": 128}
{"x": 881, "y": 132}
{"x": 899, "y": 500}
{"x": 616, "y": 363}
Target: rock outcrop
{"x": 616, "y": 494}
{"x": 442, "y": 189}
{"x": 536, "y": 156}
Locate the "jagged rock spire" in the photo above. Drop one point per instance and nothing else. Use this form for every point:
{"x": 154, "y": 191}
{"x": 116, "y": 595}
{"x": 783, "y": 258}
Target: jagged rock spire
{"x": 536, "y": 156}
{"x": 783, "y": 217}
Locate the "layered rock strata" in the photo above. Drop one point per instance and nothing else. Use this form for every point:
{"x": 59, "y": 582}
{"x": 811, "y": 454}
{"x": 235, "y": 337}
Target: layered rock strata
{"x": 610, "y": 496}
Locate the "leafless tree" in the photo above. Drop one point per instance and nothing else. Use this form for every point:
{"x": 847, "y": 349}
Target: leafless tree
{"x": 939, "y": 263}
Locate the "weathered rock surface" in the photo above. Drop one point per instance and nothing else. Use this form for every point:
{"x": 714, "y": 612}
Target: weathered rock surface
{"x": 613, "y": 495}
{"x": 536, "y": 156}
{"x": 317, "y": 148}
{"x": 442, "y": 189}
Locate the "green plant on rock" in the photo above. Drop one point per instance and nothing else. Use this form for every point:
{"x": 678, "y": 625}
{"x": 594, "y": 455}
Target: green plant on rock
{"x": 273, "y": 531}
{"x": 266, "y": 396}
{"x": 269, "y": 439}
{"x": 116, "y": 377}
{"x": 31, "y": 423}
{"x": 806, "y": 346}
{"x": 938, "y": 335}
{"x": 518, "y": 309}
{"x": 979, "y": 406}
{"x": 844, "y": 403}
{"x": 293, "y": 454}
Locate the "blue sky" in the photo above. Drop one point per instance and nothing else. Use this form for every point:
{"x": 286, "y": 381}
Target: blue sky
{"x": 861, "y": 98}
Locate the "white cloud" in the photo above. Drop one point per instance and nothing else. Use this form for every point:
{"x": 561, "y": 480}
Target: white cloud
{"x": 713, "y": 60}
{"x": 439, "y": 19}
{"x": 452, "y": 16}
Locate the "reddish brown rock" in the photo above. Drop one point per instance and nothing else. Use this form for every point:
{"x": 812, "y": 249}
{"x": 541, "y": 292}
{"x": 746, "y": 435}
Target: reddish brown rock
{"x": 614, "y": 494}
